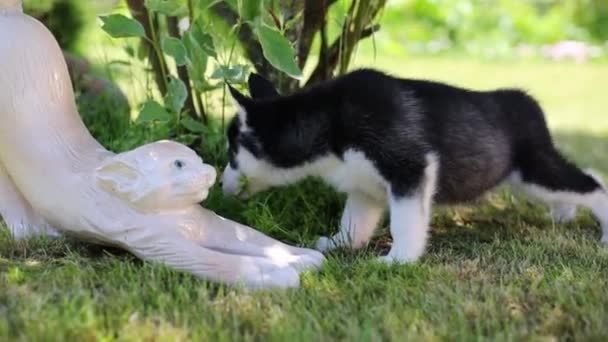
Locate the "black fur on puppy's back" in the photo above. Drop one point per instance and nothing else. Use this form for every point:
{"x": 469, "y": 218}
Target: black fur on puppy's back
{"x": 478, "y": 137}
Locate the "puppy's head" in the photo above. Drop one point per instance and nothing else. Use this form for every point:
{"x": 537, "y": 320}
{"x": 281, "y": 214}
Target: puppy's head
{"x": 248, "y": 171}
{"x": 163, "y": 175}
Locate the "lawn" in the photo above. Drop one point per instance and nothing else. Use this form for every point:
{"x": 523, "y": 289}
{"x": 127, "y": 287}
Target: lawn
{"x": 501, "y": 270}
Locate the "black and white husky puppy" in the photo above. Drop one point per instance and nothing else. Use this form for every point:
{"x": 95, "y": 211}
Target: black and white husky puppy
{"x": 402, "y": 143}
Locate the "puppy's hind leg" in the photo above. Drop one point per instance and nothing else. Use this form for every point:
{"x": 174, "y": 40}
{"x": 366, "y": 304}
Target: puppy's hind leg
{"x": 562, "y": 212}
{"x": 359, "y": 220}
{"x": 549, "y": 176}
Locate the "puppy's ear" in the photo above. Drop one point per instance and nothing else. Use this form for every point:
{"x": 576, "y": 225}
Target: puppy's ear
{"x": 238, "y": 97}
{"x": 260, "y": 88}
{"x": 242, "y": 102}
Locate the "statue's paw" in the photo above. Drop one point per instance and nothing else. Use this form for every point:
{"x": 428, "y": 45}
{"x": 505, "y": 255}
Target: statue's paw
{"x": 309, "y": 260}
{"x": 266, "y": 274}
{"x": 283, "y": 278}
{"x": 23, "y": 231}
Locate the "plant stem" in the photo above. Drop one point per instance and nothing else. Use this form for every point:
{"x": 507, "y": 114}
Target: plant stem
{"x": 141, "y": 14}
{"x": 156, "y": 45}
{"x": 190, "y": 12}
{"x": 182, "y": 71}
{"x": 232, "y": 47}
{"x": 223, "y": 107}
{"x": 201, "y": 107}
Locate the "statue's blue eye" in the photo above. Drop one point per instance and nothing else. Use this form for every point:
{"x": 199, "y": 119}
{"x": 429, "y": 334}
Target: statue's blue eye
{"x": 179, "y": 164}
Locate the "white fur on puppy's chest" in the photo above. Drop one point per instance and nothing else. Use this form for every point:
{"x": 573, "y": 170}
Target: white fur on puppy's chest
{"x": 356, "y": 173}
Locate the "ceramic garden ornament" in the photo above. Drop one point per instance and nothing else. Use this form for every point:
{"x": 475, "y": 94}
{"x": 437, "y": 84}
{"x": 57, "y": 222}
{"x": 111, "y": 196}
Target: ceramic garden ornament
{"x": 55, "y": 177}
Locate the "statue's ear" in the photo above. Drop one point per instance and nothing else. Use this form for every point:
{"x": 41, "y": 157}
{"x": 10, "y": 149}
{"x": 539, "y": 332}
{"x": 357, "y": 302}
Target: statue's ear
{"x": 117, "y": 177}
{"x": 260, "y": 88}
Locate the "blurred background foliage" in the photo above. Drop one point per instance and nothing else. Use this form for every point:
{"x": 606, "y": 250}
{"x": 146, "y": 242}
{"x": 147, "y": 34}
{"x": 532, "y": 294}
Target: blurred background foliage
{"x": 116, "y": 79}
{"x": 421, "y": 26}
{"x": 492, "y": 27}
{"x": 484, "y": 28}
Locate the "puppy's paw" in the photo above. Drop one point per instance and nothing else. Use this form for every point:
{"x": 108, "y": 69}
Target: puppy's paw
{"x": 389, "y": 259}
{"x": 563, "y": 213}
{"x": 394, "y": 257}
{"x": 266, "y": 274}
{"x": 325, "y": 244}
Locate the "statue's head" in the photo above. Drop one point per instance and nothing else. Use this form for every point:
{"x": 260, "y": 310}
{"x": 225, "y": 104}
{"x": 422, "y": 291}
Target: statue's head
{"x": 10, "y": 5}
{"x": 163, "y": 175}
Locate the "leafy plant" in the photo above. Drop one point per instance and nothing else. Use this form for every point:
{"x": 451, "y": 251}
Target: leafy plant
{"x": 197, "y": 46}
{"x": 488, "y": 26}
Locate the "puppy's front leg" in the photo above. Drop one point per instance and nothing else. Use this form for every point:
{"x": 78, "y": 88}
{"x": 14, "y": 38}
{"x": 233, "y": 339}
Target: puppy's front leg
{"x": 411, "y": 215}
{"x": 409, "y": 229}
{"x": 359, "y": 220}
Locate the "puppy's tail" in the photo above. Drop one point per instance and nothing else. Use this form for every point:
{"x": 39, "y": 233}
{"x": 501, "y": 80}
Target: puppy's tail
{"x": 597, "y": 178}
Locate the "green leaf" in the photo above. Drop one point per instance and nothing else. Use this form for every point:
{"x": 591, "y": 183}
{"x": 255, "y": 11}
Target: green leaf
{"x": 193, "y": 126}
{"x": 130, "y": 51}
{"x": 251, "y": 9}
{"x": 173, "y": 8}
{"x": 197, "y": 56}
{"x": 142, "y": 51}
{"x": 176, "y": 95}
{"x": 174, "y": 48}
{"x": 278, "y": 51}
{"x": 233, "y": 74}
{"x": 270, "y": 6}
{"x": 202, "y": 85}
{"x": 119, "y": 26}
{"x": 205, "y": 4}
{"x": 233, "y": 3}
{"x": 203, "y": 39}
{"x": 186, "y": 139}
{"x": 153, "y": 111}
{"x": 198, "y": 60}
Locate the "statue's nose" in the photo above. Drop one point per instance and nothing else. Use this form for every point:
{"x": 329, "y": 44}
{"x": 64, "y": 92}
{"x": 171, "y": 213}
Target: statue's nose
{"x": 209, "y": 175}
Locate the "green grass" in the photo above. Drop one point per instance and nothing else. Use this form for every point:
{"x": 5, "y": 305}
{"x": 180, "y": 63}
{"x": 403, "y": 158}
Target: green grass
{"x": 500, "y": 270}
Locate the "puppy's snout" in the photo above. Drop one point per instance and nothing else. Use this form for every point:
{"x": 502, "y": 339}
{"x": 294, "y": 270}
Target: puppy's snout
{"x": 229, "y": 181}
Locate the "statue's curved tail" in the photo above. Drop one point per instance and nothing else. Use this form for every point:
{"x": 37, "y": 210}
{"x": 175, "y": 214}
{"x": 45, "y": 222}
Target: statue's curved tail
{"x": 10, "y": 6}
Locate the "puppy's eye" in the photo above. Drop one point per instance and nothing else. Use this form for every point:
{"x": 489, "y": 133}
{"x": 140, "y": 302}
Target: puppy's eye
{"x": 179, "y": 164}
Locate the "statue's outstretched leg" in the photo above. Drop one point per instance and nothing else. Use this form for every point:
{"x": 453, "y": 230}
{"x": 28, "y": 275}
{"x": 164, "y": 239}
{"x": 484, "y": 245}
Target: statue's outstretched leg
{"x": 18, "y": 214}
{"x": 232, "y": 237}
{"x": 177, "y": 251}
